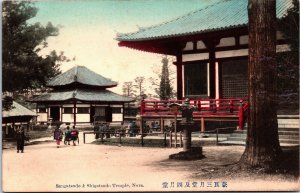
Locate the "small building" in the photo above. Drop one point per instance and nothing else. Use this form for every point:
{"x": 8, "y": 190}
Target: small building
{"x": 211, "y": 50}
{"x": 13, "y": 118}
{"x": 80, "y": 96}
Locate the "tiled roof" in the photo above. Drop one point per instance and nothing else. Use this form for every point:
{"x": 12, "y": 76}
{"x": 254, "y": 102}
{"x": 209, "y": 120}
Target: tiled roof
{"x": 18, "y": 110}
{"x": 225, "y": 14}
{"x": 82, "y": 75}
{"x": 82, "y": 95}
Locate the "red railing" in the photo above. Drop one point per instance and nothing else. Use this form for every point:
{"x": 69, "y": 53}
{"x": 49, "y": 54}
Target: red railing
{"x": 205, "y": 107}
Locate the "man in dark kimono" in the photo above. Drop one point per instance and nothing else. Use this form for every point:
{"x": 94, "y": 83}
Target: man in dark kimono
{"x": 20, "y": 136}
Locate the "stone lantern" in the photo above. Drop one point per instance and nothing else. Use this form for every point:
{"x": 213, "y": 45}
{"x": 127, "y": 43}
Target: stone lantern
{"x": 187, "y": 124}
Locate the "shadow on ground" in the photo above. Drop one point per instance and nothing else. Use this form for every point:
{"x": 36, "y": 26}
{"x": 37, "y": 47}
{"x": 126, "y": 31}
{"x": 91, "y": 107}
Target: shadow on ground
{"x": 220, "y": 163}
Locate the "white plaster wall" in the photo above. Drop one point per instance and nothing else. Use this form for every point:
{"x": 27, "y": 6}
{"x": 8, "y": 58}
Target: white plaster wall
{"x": 230, "y": 41}
{"x": 42, "y": 117}
{"x": 232, "y": 53}
{"x": 283, "y": 48}
{"x": 82, "y": 117}
{"x": 193, "y": 57}
{"x": 116, "y": 105}
{"x": 68, "y": 105}
{"x": 189, "y": 46}
{"x": 200, "y": 45}
{"x": 117, "y": 117}
{"x": 244, "y": 52}
{"x": 244, "y": 39}
{"x": 82, "y": 105}
{"x": 68, "y": 118}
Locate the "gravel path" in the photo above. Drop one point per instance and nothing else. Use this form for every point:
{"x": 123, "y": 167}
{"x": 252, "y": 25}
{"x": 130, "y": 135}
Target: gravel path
{"x": 88, "y": 167}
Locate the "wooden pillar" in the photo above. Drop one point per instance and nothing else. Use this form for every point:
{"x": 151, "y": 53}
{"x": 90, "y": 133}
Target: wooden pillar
{"x": 6, "y": 129}
{"x": 179, "y": 76}
{"x": 74, "y": 113}
{"x": 220, "y": 79}
{"x": 212, "y": 72}
{"x": 161, "y": 125}
{"x": 211, "y": 45}
{"x": 202, "y": 125}
{"x": 60, "y": 110}
{"x": 48, "y": 112}
{"x": 141, "y": 124}
{"x": 123, "y": 110}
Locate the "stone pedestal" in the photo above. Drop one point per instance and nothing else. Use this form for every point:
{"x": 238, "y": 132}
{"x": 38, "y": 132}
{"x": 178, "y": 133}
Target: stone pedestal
{"x": 193, "y": 154}
{"x": 189, "y": 152}
{"x": 186, "y": 135}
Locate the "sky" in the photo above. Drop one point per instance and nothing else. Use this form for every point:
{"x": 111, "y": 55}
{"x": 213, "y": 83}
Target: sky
{"x": 88, "y": 28}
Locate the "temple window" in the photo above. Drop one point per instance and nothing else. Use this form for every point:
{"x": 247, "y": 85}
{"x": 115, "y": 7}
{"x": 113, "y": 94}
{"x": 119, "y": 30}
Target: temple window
{"x": 83, "y": 110}
{"x": 68, "y": 110}
{"x": 195, "y": 79}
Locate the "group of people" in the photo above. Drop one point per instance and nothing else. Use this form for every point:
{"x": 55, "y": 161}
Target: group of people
{"x": 70, "y": 135}
{"x": 100, "y": 127}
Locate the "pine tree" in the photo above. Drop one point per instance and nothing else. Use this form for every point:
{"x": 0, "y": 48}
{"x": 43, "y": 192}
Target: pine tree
{"x": 165, "y": 89}
{"x": 23, "y": 67}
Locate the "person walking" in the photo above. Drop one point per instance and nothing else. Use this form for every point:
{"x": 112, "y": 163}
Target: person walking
{"x": 74, "y": 135}
{"x": 96, "y": 129}
{"x": 67, "y": 135}
{"x": 20, "y": 136}
{"x": 58, "y": 135}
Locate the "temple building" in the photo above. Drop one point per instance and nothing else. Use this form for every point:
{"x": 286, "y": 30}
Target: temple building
{"x": 15, "y": 117}
{"x": 211, "y": 50}
{"x": 80, "y": 96}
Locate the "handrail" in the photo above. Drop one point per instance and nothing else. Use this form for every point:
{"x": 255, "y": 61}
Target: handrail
{"x": 124, "y": 133}
{"x": 217, "y": 132}
{"x": 214, "y": 105}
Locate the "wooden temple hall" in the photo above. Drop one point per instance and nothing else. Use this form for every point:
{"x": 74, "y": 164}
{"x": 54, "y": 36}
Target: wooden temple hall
{"x": 80, "y": 96}
{"x": 211, "y": 50}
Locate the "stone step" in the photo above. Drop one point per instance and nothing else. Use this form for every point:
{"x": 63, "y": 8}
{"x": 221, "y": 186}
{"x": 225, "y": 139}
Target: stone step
{"x": 296, "y": 137}
{"x": 289, "y": 129}
{"x": 236, "y": 138}
{"x": 290, "y": 141}
{"x": 228, "y": 142}
{"x": 288, "y": 116}
{"x": 243, "y": 135}
{"x": 288, "y": 121}
{"x": 281, "y": 132}
{"x": 295, "y": 126}
{"x": 213, "y": 135}
{"x": 282, "y": 143}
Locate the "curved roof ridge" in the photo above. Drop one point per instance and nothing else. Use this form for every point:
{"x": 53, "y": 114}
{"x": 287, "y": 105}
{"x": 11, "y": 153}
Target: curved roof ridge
{"x": 221, "y": 15}
{"x": 140, "y": 29}
{"x": 83, "y": 75}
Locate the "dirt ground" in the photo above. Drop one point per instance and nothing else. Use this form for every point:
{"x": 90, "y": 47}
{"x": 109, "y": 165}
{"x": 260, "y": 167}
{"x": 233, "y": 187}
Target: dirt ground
{"x": 91, "y": 167}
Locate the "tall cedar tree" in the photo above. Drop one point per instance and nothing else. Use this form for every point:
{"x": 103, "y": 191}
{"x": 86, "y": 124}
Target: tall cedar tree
{"x": 165, "y": 89}
{"x": 22, "y": 67}
{"x": 262, "y": 146}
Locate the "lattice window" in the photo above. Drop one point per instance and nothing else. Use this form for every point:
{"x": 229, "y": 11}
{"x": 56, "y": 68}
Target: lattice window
{"x": 234, "y": 78}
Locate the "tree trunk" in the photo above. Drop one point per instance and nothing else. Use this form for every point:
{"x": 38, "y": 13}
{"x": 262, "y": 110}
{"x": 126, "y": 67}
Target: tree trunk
{"x": 262, "y": 147}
